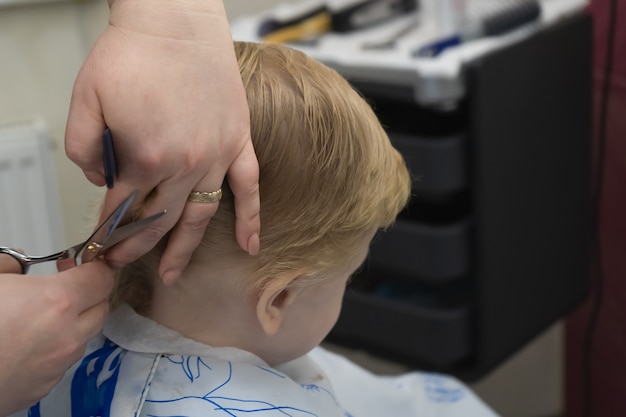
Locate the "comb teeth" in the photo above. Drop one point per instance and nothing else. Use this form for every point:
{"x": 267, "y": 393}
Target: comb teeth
{"x": 510, "y": 17}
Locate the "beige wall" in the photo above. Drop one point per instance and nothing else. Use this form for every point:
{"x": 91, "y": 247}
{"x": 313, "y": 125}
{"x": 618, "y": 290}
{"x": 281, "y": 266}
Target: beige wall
{"x": 43, "y": 47}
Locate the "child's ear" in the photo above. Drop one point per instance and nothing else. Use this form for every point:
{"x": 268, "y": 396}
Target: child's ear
{"x": 273, "y": 302}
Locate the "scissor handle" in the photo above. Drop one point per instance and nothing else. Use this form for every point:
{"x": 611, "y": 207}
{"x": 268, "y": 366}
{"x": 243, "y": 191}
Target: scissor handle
{"x": 22, "y": 259}
{"x": 26, "y": 261}
{"x": 106, "y": 235}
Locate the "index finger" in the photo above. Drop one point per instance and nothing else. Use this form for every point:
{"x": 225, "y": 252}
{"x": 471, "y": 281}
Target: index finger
{"x": 9, "y": 265}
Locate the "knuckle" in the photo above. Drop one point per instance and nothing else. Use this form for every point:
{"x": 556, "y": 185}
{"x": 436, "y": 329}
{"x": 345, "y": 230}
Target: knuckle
{"x": 71, "y": 151}
{"x": 190, "y": 161}
{"x": 151, "y": 161}
{"x": 104, "y": 313}
{"x": 252, "y": 189}
{"x": 58, "y": 300}
{"x": 240, "y": 134}
{"x": 69, "y": 352}
{"x": 195, "y": 225}
{"x": 76, "y": 351}
{"x": 153, "y": 233}
{"x": 100, "y": 318}
{"x": 244, "y": 182}
{"x": 75, "y": 152}
{"x": 254, "y": 218}
{"x": 71, "y": 348}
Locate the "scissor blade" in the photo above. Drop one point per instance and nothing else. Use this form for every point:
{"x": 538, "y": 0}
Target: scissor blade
{"x": 93, "y": 246}
{"x": 124, "y": 232}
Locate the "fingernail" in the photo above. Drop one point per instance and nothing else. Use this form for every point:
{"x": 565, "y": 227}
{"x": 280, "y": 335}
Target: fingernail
{"x": 170, "y": 277}
{"x": 254, "y": 244}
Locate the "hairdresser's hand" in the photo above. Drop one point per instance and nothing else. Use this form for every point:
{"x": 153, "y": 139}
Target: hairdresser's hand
{"x": 163, "y": 76}
{"x": 45, "y": 322}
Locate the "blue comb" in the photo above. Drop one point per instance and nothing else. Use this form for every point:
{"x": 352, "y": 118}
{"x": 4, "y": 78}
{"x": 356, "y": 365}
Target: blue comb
{"x": 108, "y": 158}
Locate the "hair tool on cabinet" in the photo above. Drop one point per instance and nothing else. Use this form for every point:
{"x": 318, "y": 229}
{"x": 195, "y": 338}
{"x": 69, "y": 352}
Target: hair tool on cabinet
{"x": 509, "y": 16}
{"x": 311, "y": 19}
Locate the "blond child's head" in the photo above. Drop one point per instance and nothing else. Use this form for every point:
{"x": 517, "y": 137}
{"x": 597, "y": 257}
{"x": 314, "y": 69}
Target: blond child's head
{"x": 329, "y": 178}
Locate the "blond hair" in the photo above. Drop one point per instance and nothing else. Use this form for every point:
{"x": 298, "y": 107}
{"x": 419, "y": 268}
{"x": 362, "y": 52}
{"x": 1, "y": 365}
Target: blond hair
{"x": 328, "y": 173}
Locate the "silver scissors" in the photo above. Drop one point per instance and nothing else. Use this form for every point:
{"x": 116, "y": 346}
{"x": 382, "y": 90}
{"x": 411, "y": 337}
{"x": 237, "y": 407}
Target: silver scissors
{"x": 105, "y": 235}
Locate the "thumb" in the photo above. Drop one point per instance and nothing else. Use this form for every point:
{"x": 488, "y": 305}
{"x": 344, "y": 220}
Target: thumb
{"x": 65, "y": 264}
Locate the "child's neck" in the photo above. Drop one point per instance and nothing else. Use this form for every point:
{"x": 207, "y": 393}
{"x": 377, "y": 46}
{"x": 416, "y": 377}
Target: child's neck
{"x": 208, "y": 308}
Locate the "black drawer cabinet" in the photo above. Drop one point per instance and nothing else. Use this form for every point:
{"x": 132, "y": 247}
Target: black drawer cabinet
{"x": 425, "y": 252}
{"x": 438, "y": 164}
{"x": 494, "y": 246}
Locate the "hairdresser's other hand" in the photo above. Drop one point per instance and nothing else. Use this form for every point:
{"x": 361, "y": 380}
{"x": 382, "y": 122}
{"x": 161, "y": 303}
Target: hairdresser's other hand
{"x": 45, "y": 322}
{"x": 164, "y": 78}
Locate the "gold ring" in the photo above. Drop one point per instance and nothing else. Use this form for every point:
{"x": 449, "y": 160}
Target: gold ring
{"x": 205, "y": 196}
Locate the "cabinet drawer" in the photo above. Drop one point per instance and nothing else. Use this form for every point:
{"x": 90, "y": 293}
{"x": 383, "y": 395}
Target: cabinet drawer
{"x": 423, "y": 252}
{"x": 408, "y": 333}
{"x": 437, "y": 164}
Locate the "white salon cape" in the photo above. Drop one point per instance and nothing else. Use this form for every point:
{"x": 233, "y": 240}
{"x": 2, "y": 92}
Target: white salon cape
{"x": 139, "y": 368}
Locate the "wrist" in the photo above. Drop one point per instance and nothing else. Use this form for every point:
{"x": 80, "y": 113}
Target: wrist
{"x": 177, "y": 19}
{"x": 175, "y": 3}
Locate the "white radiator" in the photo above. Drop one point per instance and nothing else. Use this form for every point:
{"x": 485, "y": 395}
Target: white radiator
{"x": 30, "y": 213}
